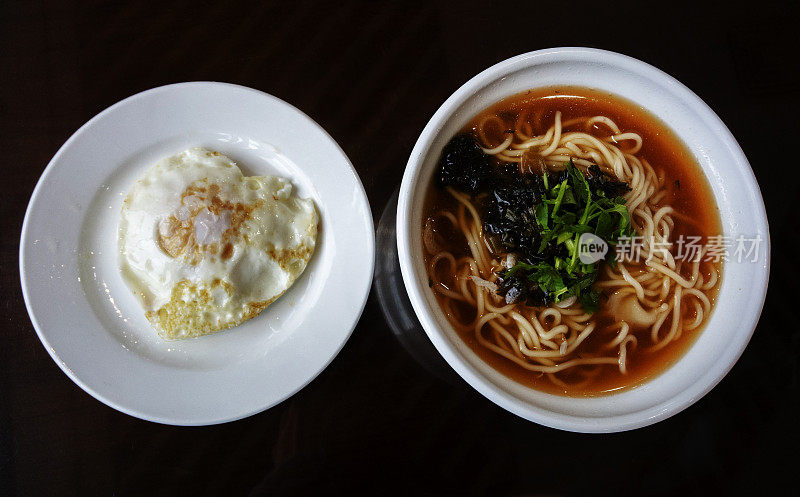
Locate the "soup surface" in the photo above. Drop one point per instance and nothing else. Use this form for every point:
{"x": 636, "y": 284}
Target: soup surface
{"x": 650, "y": 308}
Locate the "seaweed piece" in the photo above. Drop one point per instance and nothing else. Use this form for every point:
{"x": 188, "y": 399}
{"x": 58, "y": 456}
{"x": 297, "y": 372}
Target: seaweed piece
{"x": 602, "y": 182}
{"x": 521, "y": 289}
{"x": 511, "y": 216}
{"x": 463, "y": 165}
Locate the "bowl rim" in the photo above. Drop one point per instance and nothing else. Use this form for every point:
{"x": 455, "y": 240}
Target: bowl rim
{"x": 614, "y": 423}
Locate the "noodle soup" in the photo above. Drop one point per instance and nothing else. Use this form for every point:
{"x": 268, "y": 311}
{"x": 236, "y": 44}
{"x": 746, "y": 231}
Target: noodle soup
{"x": 522, "y": 301}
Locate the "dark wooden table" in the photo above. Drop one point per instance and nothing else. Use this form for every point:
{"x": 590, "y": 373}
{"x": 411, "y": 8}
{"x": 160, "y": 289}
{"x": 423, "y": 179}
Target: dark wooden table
{"x": 372, "y": 74}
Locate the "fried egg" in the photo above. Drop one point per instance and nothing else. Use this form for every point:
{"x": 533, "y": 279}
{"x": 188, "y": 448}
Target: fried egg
{"x": 204, "y": 248}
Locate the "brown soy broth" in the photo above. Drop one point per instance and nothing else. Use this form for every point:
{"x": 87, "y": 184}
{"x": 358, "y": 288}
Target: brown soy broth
{"x": 688, "y": 192}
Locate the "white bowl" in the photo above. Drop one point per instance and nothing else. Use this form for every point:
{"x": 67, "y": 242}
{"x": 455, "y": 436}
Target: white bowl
{"x": 90, "y": 322}
{"x": 734, "y": 187}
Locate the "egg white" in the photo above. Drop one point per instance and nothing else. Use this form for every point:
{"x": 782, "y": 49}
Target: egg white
{"x": 205, "y": 248}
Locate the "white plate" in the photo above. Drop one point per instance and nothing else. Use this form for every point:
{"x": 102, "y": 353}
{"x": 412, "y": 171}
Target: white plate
{"x": 90, "y": 322}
